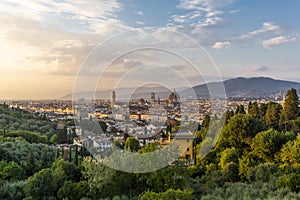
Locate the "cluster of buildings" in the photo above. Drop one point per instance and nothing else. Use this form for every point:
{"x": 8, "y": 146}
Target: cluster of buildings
{"x": 149, "y": 120}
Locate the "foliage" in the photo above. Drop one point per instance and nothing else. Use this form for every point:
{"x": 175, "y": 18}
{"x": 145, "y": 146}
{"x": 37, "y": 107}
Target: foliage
{"x": 250, "y": 191}
{"x": 74, "y": 191}
{"x": 11, "y": 171}
{"x": 32, "y": 137}
{"x": 20, "y": 120}
{"x": 170, "y": 194}
{"x": 41, "y": 185}
{"x": 290, "y": 107}
{"x": 132, "y": 144}
{"x": 267, "y": 143}
{"x": 12, "y": 190}
{"x": 239, "y": 131}
{"x": 272, "y": 117}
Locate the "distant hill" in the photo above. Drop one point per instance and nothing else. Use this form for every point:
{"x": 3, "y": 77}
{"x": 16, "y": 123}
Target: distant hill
{"x": 236, "y": 87}
{"x": 245, "y": 87}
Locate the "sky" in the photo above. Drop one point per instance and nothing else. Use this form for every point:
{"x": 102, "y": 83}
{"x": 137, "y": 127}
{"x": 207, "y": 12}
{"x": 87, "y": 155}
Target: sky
{"x": 47, "y": 45}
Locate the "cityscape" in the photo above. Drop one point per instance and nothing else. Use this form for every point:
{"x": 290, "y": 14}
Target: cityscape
{"x": 149, "y": 100}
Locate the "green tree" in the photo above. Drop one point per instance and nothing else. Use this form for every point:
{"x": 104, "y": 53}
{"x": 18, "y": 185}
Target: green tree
{"x": 239, "y": 131}
{"x": 76, "y": 155}
{"x": 289, "y": 155}
{"x": 267, "y": 143}
{"x": 132, "y": 144}
{"x": 272, "y": 117}
{"x": 253, "y": 109}
{"x": 74, "y": 191}
{"x": 11, "y": 171}
{"x": 45, "y": 159}
{"x": 41, "y": 185}
{"x": 170, "y": 194}
{"x": 263, "y": 172}
{"x": 263, "y": 110}
{"x": 229, "y": 156}
{"x": 31, "y": 165}
{"x": 290, "y": 107}
{"x": 247, "y": 163}
{"x": 240, "y": 110}
{"x": 64, "y": 171}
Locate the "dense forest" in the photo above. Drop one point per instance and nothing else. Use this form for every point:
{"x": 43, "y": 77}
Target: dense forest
{"x": 257, "y": 156}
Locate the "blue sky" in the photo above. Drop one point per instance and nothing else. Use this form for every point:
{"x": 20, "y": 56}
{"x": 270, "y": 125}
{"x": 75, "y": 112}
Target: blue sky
{"x": 43, "y": 43}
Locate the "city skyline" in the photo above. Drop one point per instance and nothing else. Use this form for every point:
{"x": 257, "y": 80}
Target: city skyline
{"x": 44, "y": 43}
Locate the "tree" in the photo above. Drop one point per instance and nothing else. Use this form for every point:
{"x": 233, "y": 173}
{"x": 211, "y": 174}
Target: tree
{"x": 170, "y": 194}
{"x": 290, "y": 107}
{"x": 64, "y": 170}
{"x": 41, "y": 185}
{"x": 247, "y": 163}
{"x": 263, "y": 172}
{"x": 253, "y": 109}
{"x": 74, "y": 191}
{"x": 267, "y": 143}
{"x": 228, "y": 115}
{"x": 239, "y": 132}
{"x": 31, "y": 166}
{"x": 289, "y": 154}
{"x": 272, "y": 117}
{"x": 70, "y": 154}
{"x": 132, "y": 144}
{"x": 45, "y": 159}
{"x": 11, "y": 171}
{"x": 229, "y": 156}
{"x": 240, "y": 110}
{"x": 76, "y": 155}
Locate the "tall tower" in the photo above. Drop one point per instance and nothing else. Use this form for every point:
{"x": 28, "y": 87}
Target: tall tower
{"x": 113, "y": 98}
{"x": 283, "y": 99}
{"x": 152, "y": 98}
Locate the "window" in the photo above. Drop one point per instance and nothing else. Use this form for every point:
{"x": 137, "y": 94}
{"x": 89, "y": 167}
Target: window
{"x": 188, "y": 149}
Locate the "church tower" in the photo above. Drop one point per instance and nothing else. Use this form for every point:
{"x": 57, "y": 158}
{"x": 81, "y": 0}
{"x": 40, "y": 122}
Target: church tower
{"x": 113, "y": 99}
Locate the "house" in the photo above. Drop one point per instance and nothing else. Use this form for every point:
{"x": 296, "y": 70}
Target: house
{"x": 185, "y": 142}
{"x": 147, "y": 138}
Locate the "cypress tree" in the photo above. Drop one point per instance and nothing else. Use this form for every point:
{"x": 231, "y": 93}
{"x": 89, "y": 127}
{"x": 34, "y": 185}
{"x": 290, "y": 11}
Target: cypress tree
{"x": 291, "y": 105}
{"x": 76, "y": 155}
{"x": 70, "y": 154}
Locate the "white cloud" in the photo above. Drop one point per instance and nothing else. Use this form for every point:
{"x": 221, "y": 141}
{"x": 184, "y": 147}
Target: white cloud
{"x": 280, "y": 40}
{"x": 140, "y": 22}
{"x": 221, "y": 45}
{"x": 267, "y": 27}
{"x": 139, "y": 13}
{"x": 91, "y": 13}
{"x": 234, "y": 11}
{"x": 202, "y": 13}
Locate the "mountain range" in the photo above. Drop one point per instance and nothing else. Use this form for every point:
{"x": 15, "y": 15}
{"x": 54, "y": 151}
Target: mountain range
{"x": 245, "y": 87}
{"x": 235, "y": 87}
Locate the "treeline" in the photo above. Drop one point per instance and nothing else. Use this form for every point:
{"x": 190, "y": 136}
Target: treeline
{"x": 17, "y": 119}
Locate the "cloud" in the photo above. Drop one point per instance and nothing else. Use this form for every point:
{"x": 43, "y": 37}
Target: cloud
{"x": 258, "y": 68}
{"x": 139, "y": 13}
{"x": 221, "y": 45}
{"x": 234, "y": 11}
{"x": 140, "y": 22}
{"x": 203, "y": 13}
{"x": 267, "y": 27}
{"x": 130, "y": 63}
{"x": 280, "y": 40}
{"x": 87, "y": 13}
